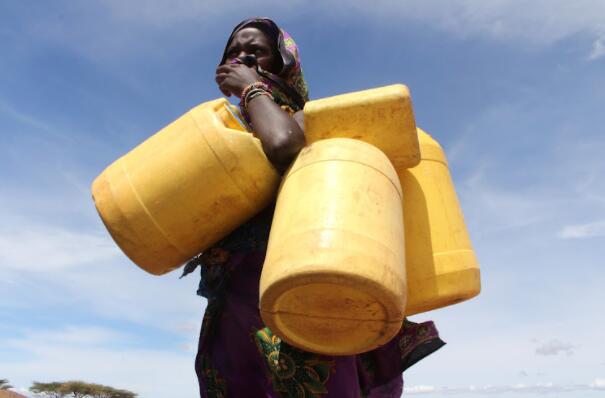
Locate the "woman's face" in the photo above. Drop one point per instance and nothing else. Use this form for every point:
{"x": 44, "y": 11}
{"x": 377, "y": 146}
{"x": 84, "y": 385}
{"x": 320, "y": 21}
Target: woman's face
{"x": 253, "y": 41}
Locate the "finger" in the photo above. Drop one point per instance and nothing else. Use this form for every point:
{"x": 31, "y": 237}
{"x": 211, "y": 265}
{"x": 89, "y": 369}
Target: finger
{"x": 224, "y": 89}
{"x": 226, "y": 93}
{"x": 220, "y": 78}
{"x": 226, "y": 68}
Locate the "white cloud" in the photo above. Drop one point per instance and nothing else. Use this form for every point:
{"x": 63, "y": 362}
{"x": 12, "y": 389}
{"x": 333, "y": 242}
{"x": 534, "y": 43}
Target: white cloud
{"x": 540, "y": 21}
{"x": 489, "y": 207}
{"x": 53, "y": 356}
{"x": 556, "y": 190}
{"x": 539, "y": 388}
{"x": 40, "y": 248}
{"x": 84, "y": 26}
{"x": 555, "y": 347}
{"x": 136, "y": 27}
{"x": 74, "y": 268}
{"x": 122, "y": 291}
{"x": 26, "y": 119}
{"x": 598, "y": 48}
{"x": 87, "y": 336}
{"x": 473, "y": 335}
{"x": 420, "y": 389}
{"x": 598, "y": 384}
{"x": 162, "y": 14}
{"x": 579, "y": 231}
{"x": 188, "y": 327}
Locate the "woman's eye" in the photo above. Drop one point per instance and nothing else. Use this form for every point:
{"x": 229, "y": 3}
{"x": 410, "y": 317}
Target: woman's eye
{"x": 256, "y": 50}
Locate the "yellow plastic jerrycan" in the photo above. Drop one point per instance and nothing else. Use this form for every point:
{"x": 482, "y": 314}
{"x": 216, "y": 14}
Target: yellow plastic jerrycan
{"x": 380, "y": 116}
{"x": 184, "y": 188}
{"x": 441, "y": 266}
{"x": 334, "y": 281}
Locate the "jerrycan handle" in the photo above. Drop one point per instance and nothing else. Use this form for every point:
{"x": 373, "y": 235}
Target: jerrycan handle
{"x": 229, "y": 116}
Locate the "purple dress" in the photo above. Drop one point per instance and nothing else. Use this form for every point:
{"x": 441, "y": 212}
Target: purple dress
{"x": 239, "y": 357}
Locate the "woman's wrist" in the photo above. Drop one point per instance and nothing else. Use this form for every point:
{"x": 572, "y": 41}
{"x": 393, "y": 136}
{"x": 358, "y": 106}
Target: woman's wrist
{"x": 252, "y": 91}
{"x": 257, "y": 85}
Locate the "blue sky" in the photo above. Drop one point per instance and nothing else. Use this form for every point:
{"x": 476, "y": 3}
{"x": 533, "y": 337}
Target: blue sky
{"x": 513, "y": 90}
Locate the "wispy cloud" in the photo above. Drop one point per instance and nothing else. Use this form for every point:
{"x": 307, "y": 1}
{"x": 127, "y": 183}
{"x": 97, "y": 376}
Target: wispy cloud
{"x": 581, "y": 231}
{"x": 86, "y": 336}
{"x": 9, "y": 111}
{"x": 43, "y": 248}
{"x": 541, "y": 21}
{"x": 598, "y": 384}
{"x": 555, "y": 347}
{"x": 490, "y": 207}
{"x": 598, "y": 48}
{"x": 539, "y": 388}
{"x": 100, "y": 355}
{"x": 420, "y": 389}
{"x": 82, "y": 28}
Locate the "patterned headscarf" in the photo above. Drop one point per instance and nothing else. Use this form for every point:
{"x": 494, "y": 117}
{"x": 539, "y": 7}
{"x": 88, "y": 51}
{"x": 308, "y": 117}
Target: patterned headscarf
{"x": 288, "y": 87}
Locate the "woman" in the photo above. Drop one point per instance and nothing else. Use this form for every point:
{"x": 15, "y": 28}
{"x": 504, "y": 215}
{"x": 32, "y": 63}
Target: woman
{"x": 237, "y": 355}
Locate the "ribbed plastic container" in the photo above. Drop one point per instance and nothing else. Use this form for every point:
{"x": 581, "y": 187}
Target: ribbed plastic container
{"x": 184, "y": 188}
{"x": 334, "y": 278}
{"x": 441, "y": 265}
{"x": 380, "y": 116}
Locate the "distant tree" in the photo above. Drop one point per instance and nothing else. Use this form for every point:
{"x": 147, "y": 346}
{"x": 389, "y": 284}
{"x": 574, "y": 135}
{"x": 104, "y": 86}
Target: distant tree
{"x": 123, "y": 394}
{"x": 4, "y": 384}
{"x": 101, "y": 391}
{"x": 51, "y": 390}
{"x": 79, "y": 389}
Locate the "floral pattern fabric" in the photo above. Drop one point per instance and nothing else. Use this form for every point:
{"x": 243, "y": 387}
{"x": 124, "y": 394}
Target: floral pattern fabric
{"x": 239, "y": 356}
{"x": 293, "y": 372}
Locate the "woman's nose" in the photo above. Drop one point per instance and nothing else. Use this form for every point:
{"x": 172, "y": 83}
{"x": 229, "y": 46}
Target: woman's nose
{"x": 248, "y": 60}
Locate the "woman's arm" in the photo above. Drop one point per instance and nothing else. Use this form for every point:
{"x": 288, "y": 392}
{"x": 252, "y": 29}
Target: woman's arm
{"x": 281, "y": 135}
